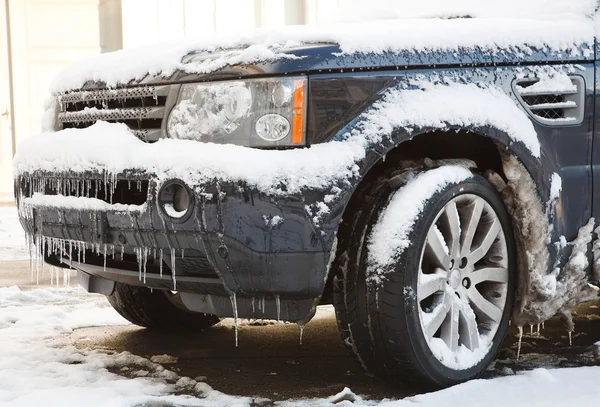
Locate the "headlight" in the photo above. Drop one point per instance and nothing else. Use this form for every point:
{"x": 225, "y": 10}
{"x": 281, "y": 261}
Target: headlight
{"x": 256, "y": 113}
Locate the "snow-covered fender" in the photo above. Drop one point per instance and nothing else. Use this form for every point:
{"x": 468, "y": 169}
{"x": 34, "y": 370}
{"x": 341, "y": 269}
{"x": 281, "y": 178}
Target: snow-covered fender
{"x": 406, "y": 114}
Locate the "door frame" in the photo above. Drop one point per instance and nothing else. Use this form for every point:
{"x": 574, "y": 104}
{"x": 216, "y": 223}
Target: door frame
{"x": 7, "y": 117}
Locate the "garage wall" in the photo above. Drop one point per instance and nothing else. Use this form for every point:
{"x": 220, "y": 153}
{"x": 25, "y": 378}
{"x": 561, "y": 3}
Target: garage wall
{"x": 152, "y": 21}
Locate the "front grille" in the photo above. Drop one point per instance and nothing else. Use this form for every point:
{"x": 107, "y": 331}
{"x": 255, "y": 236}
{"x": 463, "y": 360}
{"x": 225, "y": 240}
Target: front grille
{"x": 142, "y": 109}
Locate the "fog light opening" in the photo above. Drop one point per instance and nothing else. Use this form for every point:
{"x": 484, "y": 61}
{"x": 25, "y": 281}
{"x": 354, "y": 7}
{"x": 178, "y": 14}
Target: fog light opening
{"x": 175, "y": 200}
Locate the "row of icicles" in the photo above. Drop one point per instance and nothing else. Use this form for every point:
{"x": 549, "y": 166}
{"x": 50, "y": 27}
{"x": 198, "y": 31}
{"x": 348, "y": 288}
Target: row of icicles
{"x": 75, "y": 251}
{"x": 537, "y": 332}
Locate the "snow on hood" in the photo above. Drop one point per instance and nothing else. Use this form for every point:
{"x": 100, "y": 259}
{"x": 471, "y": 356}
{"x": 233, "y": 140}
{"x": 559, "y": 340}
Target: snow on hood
{"x": 361, "y": 10}
{"x": 494, "y": 33}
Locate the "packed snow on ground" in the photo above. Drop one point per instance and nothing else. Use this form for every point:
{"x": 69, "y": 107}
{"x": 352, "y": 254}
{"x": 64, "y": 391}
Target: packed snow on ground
{"x": 37, "y": 370}
{"x": 552, "y": 25}
{"x": 12, "y": 237}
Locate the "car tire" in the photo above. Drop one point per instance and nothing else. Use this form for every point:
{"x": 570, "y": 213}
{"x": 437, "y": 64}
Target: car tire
{"x": 384, "y": 323}
{"x": 157, "y": 309}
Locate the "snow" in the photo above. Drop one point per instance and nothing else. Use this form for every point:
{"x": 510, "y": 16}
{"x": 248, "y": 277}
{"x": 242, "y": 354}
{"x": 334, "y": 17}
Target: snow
{"x": 390, "y": 235}
{"x": 163, "y": 359}
{"x": 391, "y": 9}
{"x": 549, "y": 82}
{"x": 36, "y": 369}
{"x": 555, "y": 187}
{"x": 80, "y": 203}
{"x": 559, "y": 28}
{"x": 454, "y": 104}
{"x": 12, "y": 237}
{"x": 539, "y": 387}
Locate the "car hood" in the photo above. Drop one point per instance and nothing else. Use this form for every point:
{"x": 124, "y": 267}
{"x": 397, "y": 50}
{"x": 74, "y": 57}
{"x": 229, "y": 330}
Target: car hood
{"x": 400, "y": 43}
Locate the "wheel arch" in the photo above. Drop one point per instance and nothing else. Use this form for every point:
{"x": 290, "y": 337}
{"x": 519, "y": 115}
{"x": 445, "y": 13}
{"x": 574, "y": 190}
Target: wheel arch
{"x": 488, "y": 147}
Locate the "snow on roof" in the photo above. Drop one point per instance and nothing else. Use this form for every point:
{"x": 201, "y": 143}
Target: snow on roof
{"x": 540, "y": 24}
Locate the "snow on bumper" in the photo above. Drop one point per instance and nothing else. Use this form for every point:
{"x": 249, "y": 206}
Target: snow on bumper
{"x": 247, "y": 206}
{"x": 106, "y": 148}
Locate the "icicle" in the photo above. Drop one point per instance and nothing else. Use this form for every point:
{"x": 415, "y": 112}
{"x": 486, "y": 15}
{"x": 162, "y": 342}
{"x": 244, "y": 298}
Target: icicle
{"x": 277, "y": 301}
{"x": 105, "y": 257}
{"x": 570, "y": 338}
{"x": 182, "y": 253}
{"x": 253, "y": 306}
{"x": 122, "y": 251}
{"x": 173, "y": 253}
{"x": 530, "y": 329}
{"x": 138, "y": 256}
{"x": 538, "y": 329}
{"x": 301, "y": 325}
{"x": 235, "y": 316}
{"x": 543, "y": 323}
{"x": 145, "y": 262}
{"x": 519, "y": 343}
{"x": 161, "y": 262}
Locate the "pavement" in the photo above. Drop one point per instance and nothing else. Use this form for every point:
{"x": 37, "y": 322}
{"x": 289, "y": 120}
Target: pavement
{"x": 270, "y": 361}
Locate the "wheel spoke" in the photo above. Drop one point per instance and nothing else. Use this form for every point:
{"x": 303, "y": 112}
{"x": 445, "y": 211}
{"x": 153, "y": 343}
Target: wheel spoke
{"x": 429, "y": 284}
{"x": 483, "y": 306}
{"x": 471, "y": 226}
{"x": 436, "y": 249}
{"x": 491, "y": 274}
{"x": 469, "y": 334}
{"x": 449, "y": 332}
{"x": 454, "y": 225}
{"x": 438, "y": 316}
{"x": 487, "y": 242}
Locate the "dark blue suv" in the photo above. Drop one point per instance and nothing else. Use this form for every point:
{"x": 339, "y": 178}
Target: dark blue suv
{"x": 424, "y": 176}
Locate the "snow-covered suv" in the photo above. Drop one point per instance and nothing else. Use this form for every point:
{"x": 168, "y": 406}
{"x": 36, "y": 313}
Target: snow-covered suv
{"x": 423, "y": 175}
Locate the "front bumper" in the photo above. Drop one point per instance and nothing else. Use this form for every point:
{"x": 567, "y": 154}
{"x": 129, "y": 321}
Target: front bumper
{"x": 229, "y": 245}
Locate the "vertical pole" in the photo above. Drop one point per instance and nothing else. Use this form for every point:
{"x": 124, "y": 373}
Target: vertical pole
{"x": 295, "y": 12}
{"x": 13, "y": 137}
{"x": 259, "y": 13}
{"x": 110, "y": 14}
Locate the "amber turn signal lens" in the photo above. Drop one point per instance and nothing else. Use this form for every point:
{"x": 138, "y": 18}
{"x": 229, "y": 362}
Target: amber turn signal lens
{"x": 298, "y": 113}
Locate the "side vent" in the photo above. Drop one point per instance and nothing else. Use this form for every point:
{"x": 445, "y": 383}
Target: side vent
{"x": 553, "y": 102}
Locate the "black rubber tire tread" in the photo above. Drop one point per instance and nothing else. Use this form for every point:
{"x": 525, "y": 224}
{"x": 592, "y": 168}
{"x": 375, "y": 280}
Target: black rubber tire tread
{"x": 374, "y": 322}
{"x": 153, "y": 310}
{"x": 350, "y": 290}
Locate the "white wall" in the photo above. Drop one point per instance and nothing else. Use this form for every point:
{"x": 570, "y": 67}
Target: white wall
{"x": 152, "y": 21}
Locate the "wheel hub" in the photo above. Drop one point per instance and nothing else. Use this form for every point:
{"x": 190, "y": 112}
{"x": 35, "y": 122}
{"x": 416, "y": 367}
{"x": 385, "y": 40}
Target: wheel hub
{"x": 454, "y": 279}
